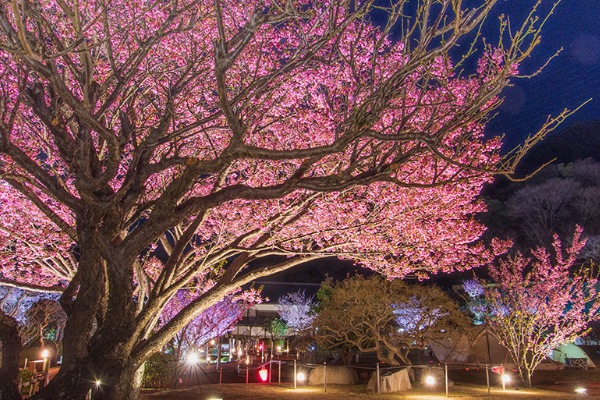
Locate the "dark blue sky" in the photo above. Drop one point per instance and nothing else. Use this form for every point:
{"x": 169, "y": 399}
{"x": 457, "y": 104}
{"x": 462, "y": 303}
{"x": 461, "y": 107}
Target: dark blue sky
{"x": 569, "y": 79}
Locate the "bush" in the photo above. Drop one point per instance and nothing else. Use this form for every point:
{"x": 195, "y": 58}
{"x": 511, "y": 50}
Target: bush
{"x": 159, "y": 370}
{"x": 24, "y": 377}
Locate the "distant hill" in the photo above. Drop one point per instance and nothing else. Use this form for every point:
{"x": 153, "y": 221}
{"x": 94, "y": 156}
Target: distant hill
{"x": 573, "y": 143}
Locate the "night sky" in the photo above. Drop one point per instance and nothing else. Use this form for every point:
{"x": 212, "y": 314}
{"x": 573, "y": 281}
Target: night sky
{"x": 569, "y": 80}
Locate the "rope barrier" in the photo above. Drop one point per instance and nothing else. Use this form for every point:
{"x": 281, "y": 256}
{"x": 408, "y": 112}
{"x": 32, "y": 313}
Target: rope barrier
{"x": 384, "y": 370}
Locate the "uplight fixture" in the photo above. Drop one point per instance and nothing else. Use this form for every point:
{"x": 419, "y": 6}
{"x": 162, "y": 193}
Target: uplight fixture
{"x": 192, "y": 358}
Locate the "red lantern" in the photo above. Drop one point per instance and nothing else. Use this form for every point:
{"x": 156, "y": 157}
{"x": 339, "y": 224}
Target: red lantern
{"x": 263, "y": 373}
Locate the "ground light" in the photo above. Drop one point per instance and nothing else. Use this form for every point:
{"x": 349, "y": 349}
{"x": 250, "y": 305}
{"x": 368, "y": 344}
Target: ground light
{"x": 581, "y": 391}
{"x": 505, "y": 378}
{"x": 264, "y": 374}
{"x": 45, "y": 354}
{"x": 430, "y": 380}
{"x": 300, "y": 376}
{"x": 192, "y": 358}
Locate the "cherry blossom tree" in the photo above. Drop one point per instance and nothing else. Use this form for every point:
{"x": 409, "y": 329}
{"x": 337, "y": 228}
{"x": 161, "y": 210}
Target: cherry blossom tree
{"x": 295, "y": 310}
{"x": 214, "y": 130}
{"x": 537, "y": 304}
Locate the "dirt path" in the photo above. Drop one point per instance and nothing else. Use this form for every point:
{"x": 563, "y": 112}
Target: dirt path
{"x": 237, "y": 391}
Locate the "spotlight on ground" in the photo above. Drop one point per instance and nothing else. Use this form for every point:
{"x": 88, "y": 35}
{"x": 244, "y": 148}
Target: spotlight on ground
{"x": 430, "y": 380}
{"x": 192, "y": 359}
{"x": 581, "y": 391}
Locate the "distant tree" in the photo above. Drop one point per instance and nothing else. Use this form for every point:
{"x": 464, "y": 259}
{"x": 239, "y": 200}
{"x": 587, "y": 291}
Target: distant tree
{"x": 536, "y": 304}
{"x": 277, "y": 328}
{"x": 295, "y": 309}
{"x": 543, "y": 209}
{"x": 554, "y": 201}
{"x": 388, "y": 317}
{"x": 45, "y": 320}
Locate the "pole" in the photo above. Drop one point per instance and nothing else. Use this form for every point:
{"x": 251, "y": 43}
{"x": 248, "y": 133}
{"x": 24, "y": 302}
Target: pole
{"x": 378, "y": 382}
{"x": 247, "y": 374}
{"x": 219, "y": 353}
{"x": 270, "y": 368}
{"x": 220, "y": 375}
{"x": 279, "y": 374}
{"x": 325, "y": 376}
{"x": 502, "y": 377}
{"x": 446, "y": 368}
{"x": 487, "y": 375}
{"x": 294, "y": 374}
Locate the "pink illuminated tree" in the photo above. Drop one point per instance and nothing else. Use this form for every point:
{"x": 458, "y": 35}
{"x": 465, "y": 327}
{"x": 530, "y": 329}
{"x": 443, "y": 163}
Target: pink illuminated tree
{"x": 538, "y": 303}
{"x": 215, "y": 321}
{"x": 201, "y": 131}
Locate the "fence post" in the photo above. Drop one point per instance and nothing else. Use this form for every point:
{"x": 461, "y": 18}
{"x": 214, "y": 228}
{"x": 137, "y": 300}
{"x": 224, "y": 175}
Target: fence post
{"x": 325, "y": 376}
{"x": 247, "y": 374}
{"x": 446, "y": 370}
{"x": 220, "y": 375}
{"x": 279, "y": 375}
{"x": 502, "y": 377}
{"x": 294, "y": 374}
{"x": 378, "y": 382}
{"x": 487, "y": 375}
{"x": 270, "y": 368}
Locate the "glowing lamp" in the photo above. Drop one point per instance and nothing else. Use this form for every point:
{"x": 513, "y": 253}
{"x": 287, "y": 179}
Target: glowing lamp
{"x": 212, "y": 341}
{"x": 45, "y": 354}
{"x": 98, "y": 383}
{"x": 430, "y": 380}
{"x": 263, "y": 374}
{"x": 278, "y": 348}
{"x": 300, "y": 376}
{"x": 505, "y": 378}
{"x": 581, "y": 391}
{"x": 192, "y": 358}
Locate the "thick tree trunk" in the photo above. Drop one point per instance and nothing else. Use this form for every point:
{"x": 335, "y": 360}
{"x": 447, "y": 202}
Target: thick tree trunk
{"x": 107, "y": 382}
{"x": 11, "y": 349}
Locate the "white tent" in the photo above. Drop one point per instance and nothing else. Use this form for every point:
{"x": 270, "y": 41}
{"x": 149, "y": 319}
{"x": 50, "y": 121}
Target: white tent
{"x": 571, "y": 351}
{"x": 485, "y": 348}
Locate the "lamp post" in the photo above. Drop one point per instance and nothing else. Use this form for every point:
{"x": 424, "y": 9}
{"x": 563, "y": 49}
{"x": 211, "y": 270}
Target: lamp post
{"x": 45, "y": 366}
